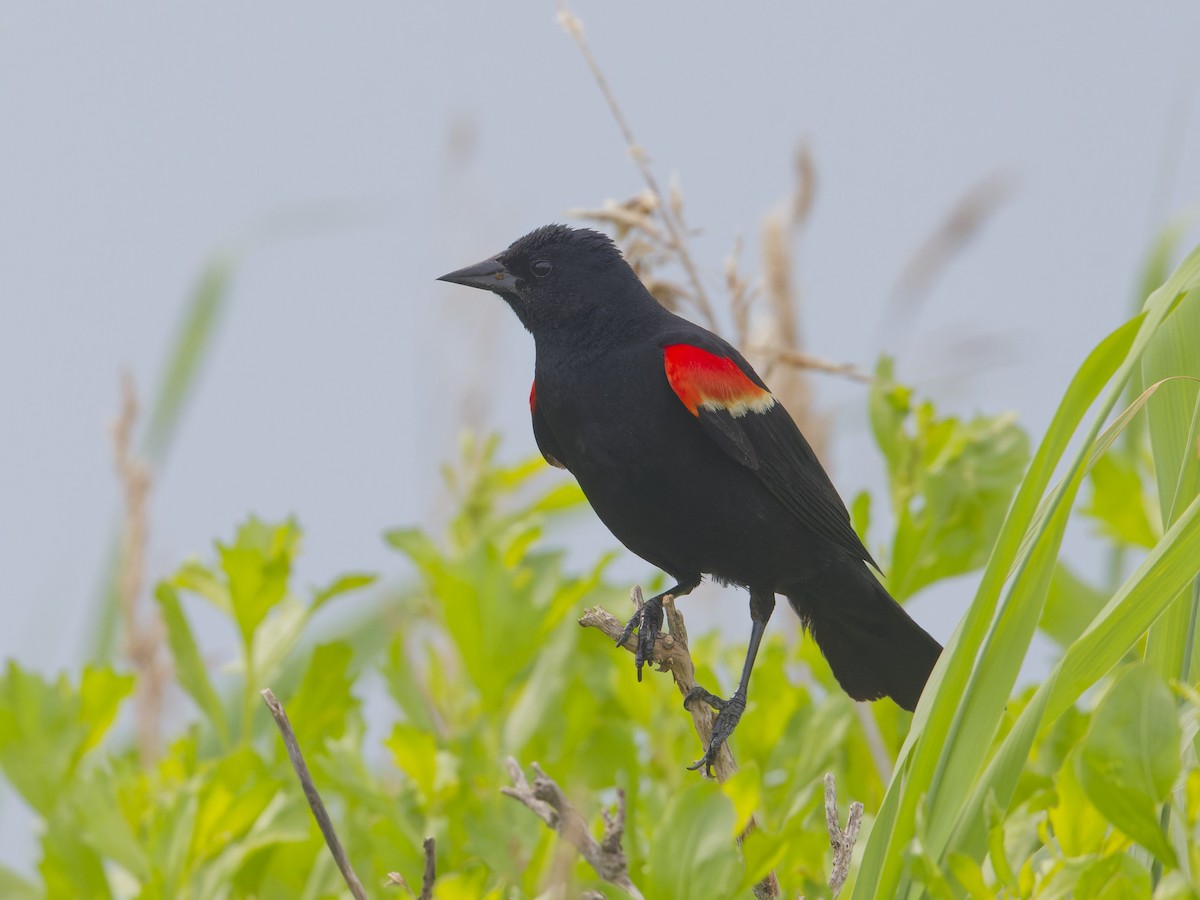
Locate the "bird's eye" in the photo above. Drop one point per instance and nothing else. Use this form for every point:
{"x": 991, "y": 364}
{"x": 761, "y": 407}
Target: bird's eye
{"x": 541, "y": 268}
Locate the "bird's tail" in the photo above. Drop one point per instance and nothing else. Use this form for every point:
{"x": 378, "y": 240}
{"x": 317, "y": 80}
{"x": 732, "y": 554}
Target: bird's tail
{"x": 872, "y": 645}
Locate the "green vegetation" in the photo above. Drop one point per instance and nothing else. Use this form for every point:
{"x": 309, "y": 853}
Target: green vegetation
{"x": 1086, "y": 784}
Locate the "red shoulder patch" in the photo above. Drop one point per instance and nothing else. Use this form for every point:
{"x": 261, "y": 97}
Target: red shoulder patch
{"x": 533, "y": 397}
{"x": 703, "y": 379}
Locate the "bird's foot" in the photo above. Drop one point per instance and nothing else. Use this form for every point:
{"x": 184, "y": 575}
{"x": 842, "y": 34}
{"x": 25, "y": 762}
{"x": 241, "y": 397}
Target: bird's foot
{"x": 729, "y": 713}
{"x": 648, "y": 621}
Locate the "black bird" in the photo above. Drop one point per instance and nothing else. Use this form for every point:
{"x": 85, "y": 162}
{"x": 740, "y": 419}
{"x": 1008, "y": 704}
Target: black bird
{"x": 693, "y": 464}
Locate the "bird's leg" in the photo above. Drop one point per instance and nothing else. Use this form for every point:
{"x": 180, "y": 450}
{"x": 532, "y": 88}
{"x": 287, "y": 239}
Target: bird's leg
{"x": 648, "y": 621}
{"x": 729, "y": 712}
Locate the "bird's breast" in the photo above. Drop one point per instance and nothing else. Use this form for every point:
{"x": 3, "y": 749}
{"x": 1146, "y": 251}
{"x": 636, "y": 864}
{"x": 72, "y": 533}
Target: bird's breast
{"x": 608, "y": 413}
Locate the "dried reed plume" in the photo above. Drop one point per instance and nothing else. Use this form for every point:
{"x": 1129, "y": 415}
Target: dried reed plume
{"x": 142, "y": 632}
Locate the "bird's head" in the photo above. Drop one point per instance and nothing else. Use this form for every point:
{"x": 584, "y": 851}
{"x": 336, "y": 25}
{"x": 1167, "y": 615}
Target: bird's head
{"x": 557, "y": 276}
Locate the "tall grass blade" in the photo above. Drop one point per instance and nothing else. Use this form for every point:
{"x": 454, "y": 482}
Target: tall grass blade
{"x": 958, "y": 715}
{"x": 1173, "y": 415}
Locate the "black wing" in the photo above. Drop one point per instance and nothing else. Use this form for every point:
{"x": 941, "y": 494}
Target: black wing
{"x": 740, "y": 415}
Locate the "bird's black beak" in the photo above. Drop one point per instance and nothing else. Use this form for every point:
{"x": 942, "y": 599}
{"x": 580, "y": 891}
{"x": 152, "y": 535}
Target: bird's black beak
{"x": 490, "y": 275}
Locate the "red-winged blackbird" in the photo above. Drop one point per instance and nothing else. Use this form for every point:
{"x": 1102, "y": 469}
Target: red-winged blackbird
{"x": 693, "y": 465}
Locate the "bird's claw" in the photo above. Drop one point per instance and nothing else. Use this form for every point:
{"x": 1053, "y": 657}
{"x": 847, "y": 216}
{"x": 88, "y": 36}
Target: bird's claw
{"x": 648, "y": 621}
{"x": 699, "y": 693}
{"x": 728, "y": 715}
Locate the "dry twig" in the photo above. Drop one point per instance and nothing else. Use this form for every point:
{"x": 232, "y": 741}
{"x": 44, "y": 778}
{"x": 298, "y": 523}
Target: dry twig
{"x": 315, "y": 803}
{"x": 802, "y": 360}
{"x": 671, "y": 211}
{"x": 143, "y": 636}
{"x": 395, "y": 879}
{"x": 781, "y": 325}
{"x": 842, "y": 841}
{"x": 546, "y": 800}
{"x": 671, "y": 655}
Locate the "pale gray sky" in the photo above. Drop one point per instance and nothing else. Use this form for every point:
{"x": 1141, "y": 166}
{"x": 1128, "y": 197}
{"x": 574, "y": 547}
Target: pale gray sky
{"x": 137, "y": 139}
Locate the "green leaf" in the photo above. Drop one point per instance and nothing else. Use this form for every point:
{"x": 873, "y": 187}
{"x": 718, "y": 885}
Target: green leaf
{"x": 234, "y": 794}
{"x": 1078, "y": 826}
{"x": 323, "y": 701}
{"x": 1173, "y": 411}
{"x": 69, "y": 866}
{"x": 1173, "y": 416}
{"x": 968, "y": 873}
{"x": 997, "y": 851}
{"x": 1114, "y": 877}
{"x": 538, "y": 703}
{"x": 46, "y": 728}
{"x": 100, "y": 822}
{"x": 1118, "y": 502}
{"x": 343, "y": 584}
{"x": 694, "y": 856}
{"x": 1112, "y": 634}
{"x": 950, "y": 482}
{"x": 101, "y": 691}
{"x": 860, "y": 515}
{"x": 405, "y": 683}
{"x": 1130, "y": 757}
{"x": 762, "y": 853}
{"x": 257, "y": 565}
{"x": 1071, "y": 604}
{"x": 204, "y": 582}
{"x": 273, "y": 644}
{"x": 415, "y": 754}
{"x": 189, "y": 667}
{"x": 415, "y": 544}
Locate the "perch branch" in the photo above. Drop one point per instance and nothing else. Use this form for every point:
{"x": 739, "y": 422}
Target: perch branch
{"x": 546, "y": 800}
{"x": 841, "y": 841}
{"x": 314, "y": 799}
{"x": 671, "y": 655}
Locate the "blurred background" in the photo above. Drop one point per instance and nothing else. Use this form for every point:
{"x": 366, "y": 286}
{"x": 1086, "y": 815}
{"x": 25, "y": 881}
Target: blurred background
{"x": 338, "y": 161}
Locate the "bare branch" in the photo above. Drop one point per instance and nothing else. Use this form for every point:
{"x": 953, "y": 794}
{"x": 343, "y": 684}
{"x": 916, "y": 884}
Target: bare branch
{"x": 670, "y": 212}
{"x": 314, "y": 800}
{"x": 634, "y": 214}
{"x": 841, "y": 841}
{"x": 430, "y": 874}
{"x": 802, "y": 360}
{"x": 546, "y": 800}
{"x": 671, "y": 655}
{"x": 395, "y": 879}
